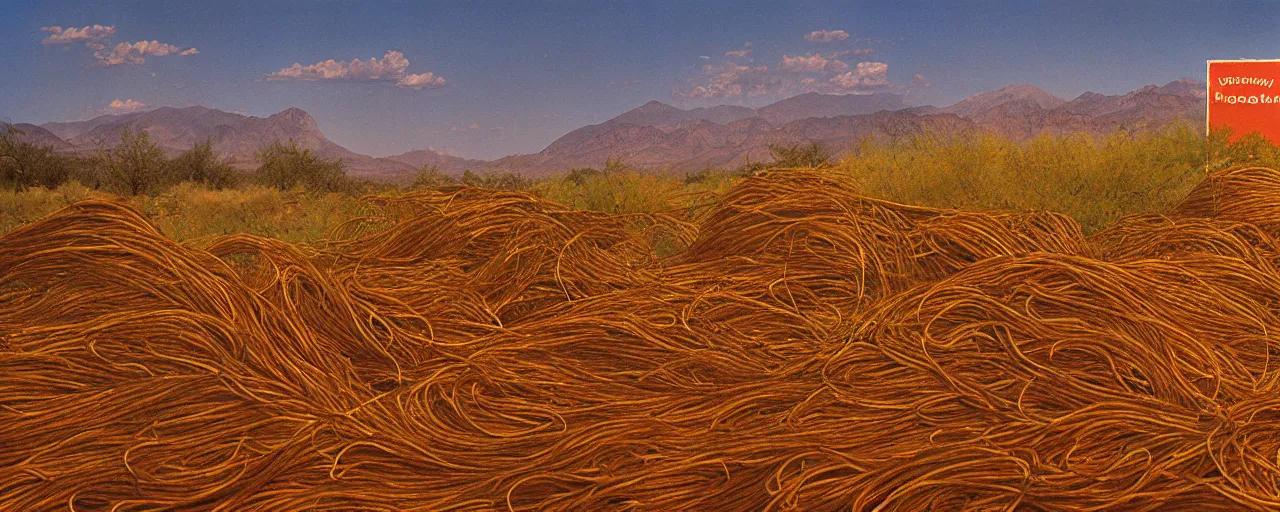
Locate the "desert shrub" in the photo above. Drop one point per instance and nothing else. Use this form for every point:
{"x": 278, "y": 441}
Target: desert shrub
{"x": 582, "y": 175}
{"x": 1095, "y": 180}
{"x": 1251, "y": 149}
{"x": 18, "y": 208}
{"x": 194, "y": 213}
{"x": 430, "y": 177}
{"x": 617, "y": 188}
{"x": 498, "y": 181}
{"x": 810, "y": 154}
{"x": 135, "y": 166}
{"x": 287, "y": 166}
{"x": 201, "y": 164}
{"x": 701, "y": 175}
{"x": 25, "y": 164}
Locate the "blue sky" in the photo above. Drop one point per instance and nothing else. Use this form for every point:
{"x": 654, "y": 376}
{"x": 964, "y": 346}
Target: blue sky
{"x": 517, "y": 75}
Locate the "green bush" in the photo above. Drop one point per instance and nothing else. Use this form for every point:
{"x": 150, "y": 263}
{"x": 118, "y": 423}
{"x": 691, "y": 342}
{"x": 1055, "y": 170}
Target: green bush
{"x": 135, "y": 166}
{"x": 201, "y": 165}
{"x": 1092, "y": 179}
{"x": 617, "y": 189}
{"x": 499, "y": 181}
{"x": 287, "y": 166}
{"x": 430, "y": 177}
{"x": 1096, "y": 180}
{"x": 582, "y": 175}
{"x": 811, "y": 154}
{"x": 24, "y": 164}
{"x": 195, "y": 214}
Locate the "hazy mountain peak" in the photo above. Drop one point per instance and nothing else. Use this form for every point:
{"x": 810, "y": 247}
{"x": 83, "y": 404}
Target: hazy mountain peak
{"x": 985, "y": 101}
{"x": 1022, "y": 89}
{"x": 818, "y": 105}
{"x": 296, "y": 117}
{"x": 723, "y": 114}
{"x": 657, "y": 135}
{"x": 653, "y": 113}
{"x": 37, "y": 135}
{"x": 419, "y": 158}
{"x": 1185, "y": 87}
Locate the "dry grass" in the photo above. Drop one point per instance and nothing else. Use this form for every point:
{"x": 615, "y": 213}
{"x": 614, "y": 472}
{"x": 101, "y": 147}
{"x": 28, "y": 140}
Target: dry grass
{"x": 812, "y": 349}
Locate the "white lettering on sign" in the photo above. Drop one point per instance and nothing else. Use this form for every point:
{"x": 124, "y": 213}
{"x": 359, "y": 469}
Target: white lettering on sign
{"x": 1246, "y": 80}
{"x": 1255, "y": 99}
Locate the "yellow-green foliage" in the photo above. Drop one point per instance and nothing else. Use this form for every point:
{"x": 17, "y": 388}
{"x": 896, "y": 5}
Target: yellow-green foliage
{"x": 19, "y": 208}
{"x": 192, "y": 213}
{"x": 621, "y": 189}
{"x": 625, "y": 191}
{"x": 1093, "y": 180}
{"x": 287, "y": 166}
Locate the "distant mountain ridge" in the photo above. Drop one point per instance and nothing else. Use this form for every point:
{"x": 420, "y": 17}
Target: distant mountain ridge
{"x": 33, "y": 134}
{"x": 420, "y": 158}
{"x": 1146, "y": 108}
{"x": 235, "y": 137}
{"x": 657, "y": 136}
{"x": 699, "y": 144}
{"x": 985, "y": 101}
{"x": 660, "y": 136}
{"x": 804, "y": 106}
{"x": 814, "y": 105}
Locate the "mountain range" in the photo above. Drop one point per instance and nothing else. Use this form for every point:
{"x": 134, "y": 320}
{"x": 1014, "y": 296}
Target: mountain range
{"x": 235, "y": 137}
{"x": 660, "y": 136}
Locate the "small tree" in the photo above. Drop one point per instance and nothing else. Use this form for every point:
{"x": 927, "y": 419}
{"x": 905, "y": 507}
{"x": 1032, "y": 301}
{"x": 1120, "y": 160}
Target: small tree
{"x": 201, "y": 165}
{"x": 430, "y": 177}
{"x": 582, "y": 175}
{"x": 287, "y": 166}
{"x": 499, "y": 181}
{"x": 470, "y": 178}
{"x": 810, "y": 155}
{"x": 23, "y": 164}
{"x": 615, "y": 164}
{"x": 134, "y": 167}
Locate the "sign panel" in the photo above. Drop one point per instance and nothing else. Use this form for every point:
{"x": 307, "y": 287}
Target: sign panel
{"x": 1243, "y": 95}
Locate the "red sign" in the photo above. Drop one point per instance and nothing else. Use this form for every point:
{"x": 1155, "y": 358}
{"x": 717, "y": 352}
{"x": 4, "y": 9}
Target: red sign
{"x": 1243, "y": 95}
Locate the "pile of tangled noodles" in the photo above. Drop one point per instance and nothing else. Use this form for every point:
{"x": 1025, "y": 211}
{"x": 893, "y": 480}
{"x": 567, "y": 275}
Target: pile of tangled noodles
{"x": 808, "y": 349}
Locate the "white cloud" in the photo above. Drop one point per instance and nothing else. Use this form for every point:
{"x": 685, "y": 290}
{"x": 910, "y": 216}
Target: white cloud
{"x": 59, "y": 35}
{"x": 732, "y": 80}
{"x": 846, "y": 53}
{"x": 745, "y": 51}
{"x": 826, "y": 36}
{"x": 93, "y": 36}
{"x": 811, "y": 64}
{"x": 811, "y": 73}
{"x": 868, "y": 75}
{"x": 123, "y": 107}
{"x": 421, "y": 81}
{"x": 136, "y": 53}
{"x": 392, "y": 68}
{"x": 473, "y": 126}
